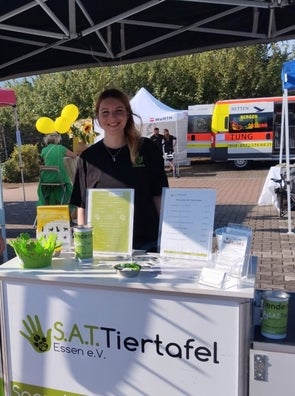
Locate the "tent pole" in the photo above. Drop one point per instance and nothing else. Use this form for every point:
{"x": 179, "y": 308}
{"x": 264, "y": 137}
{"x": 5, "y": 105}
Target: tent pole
{"x": 177, "y": 153}
{"x": 19, "y": 145}
{"x": 286, "y": 119}
{"x": 4, "y": 143}
{"x": 2, "y": 218}
{"x": 282, "y": 143}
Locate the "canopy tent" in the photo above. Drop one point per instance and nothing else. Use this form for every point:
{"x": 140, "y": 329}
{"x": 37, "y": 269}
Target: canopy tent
{"x": 154, "y": 113}
{"x": 288, "y": 82}
{"x": 8, "y": 98}
{"x": 41, "y": 36}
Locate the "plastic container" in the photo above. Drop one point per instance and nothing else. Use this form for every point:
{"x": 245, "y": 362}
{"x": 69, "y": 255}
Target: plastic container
{"x": 274, "y": 314}
{"x": 35, "y": 262}
{"x": 218, "y": 233}
{"x": 83, "y": 244}
{"x": 128, "y": 270}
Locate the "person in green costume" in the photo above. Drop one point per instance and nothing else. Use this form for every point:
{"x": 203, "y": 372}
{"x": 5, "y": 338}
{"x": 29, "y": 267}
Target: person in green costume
{"x": 53, "y": 155}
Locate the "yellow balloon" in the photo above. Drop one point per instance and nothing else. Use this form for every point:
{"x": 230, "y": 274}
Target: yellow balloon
{"x": 70, "y": 112}
{"x": 45, "y": 125}
{"x": 62, "y": 124}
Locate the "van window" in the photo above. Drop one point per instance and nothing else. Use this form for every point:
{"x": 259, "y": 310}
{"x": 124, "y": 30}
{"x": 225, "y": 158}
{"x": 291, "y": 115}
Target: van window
{"x": 253, "y": 122}
{"x": 199, "y": 123}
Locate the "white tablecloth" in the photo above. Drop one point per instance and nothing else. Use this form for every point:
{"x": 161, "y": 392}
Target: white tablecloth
{"x": 268, "y": 195}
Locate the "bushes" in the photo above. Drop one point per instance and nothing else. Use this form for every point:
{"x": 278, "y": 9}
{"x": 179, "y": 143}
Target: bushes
{"x": 31, "y": 161}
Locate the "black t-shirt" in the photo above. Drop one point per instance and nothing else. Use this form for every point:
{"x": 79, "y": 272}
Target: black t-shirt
{"x": 158, "y": 140}
{"x": 168, "y": 144}
{"x": 96, "y": 169}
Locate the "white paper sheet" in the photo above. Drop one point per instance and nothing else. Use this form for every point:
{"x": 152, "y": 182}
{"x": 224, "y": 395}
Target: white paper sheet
{"x": 187, "y": 221}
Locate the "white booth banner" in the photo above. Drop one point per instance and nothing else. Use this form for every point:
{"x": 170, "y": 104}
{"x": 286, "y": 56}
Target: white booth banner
{"x": 90, "y": 341}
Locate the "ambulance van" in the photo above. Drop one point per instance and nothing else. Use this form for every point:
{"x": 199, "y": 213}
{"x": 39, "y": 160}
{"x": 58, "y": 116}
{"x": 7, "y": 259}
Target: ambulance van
{"x": 245, "y": 130}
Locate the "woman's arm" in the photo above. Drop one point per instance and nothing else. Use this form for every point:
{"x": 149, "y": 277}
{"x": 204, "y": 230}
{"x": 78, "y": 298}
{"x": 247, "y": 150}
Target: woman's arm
{"x": 157, "y": 202}
{"x": 70, "y": 154}
{"x": 174, "y": 141}
{"x": 81, "y": 216}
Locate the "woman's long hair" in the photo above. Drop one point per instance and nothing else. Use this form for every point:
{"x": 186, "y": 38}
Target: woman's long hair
{"x": 133, "y": 135}
{"x": 166, "y": 134}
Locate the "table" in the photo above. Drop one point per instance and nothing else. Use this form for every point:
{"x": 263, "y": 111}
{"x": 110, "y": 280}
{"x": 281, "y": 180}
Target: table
{"x": 73, "y": 331}
{"x": 268, "y": 195}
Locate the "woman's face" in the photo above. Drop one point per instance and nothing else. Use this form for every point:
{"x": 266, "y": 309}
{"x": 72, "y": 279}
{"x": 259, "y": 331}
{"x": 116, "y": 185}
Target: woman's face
{"x": 112, "y": 116}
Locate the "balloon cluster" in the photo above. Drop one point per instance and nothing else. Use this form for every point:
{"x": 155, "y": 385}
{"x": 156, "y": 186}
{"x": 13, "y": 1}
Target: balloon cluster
{"x": 62, "y": 124}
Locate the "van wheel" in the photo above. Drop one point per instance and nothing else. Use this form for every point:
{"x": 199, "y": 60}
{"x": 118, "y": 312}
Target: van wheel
{"x": 241, "y": 164}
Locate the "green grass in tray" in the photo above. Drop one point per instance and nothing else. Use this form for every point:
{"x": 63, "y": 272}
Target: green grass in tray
{"x": 24, "y": 245}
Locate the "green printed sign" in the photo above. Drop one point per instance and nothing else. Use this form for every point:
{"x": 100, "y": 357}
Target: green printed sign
{"x": 21, "y": 389}
{"x": 1, "y": 387}
{"x": 110, "y": 213}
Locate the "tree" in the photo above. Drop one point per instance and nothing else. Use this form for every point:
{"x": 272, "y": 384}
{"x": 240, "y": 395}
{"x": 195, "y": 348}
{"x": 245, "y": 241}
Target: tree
{"x": 252, "y": 71}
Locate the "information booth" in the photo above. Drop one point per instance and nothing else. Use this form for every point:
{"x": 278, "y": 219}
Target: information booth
{"x": 181, "y": 327}
{"x": 89, "y": 332}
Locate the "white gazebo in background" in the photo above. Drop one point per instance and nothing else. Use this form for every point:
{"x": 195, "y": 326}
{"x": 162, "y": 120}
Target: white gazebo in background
{"x": 154, "y": 113}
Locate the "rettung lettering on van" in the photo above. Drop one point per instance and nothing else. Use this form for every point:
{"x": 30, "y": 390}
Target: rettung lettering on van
{"x": 242, "y": 108}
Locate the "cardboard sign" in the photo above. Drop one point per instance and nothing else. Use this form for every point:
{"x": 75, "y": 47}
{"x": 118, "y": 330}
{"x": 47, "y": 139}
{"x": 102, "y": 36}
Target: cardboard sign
{"x": 55, "y": 219}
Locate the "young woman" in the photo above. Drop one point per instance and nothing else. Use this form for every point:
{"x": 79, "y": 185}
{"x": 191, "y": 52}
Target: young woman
{"x": 169, "y": 142}
{"x": 123, "y": 159}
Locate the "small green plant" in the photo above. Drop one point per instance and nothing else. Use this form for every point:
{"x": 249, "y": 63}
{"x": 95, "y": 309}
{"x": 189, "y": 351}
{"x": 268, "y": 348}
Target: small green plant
{"x": 24, "y": 245}
{"x": 128, "y": 267}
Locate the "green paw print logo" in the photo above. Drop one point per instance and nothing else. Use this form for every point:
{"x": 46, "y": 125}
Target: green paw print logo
{"x": 35, "y": 335}
{"x": 139, "y": 161}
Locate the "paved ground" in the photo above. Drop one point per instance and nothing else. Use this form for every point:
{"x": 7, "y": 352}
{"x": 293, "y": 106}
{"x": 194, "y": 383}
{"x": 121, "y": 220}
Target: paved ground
{"x": 237, "y": 197}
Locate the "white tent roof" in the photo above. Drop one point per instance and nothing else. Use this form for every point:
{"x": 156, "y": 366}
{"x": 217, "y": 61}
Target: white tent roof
{"x": 150, "y": 109}
{"x": 152, "y": 112}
